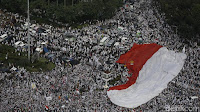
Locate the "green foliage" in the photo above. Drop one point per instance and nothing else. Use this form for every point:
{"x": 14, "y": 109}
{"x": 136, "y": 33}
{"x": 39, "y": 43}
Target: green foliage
{"x": 113, "y": 81}
{"x": 22, "y": 60}
{"x": 183, "y": 14}
{"x": 79, "y": 12}
{"x": 12, "y": 5}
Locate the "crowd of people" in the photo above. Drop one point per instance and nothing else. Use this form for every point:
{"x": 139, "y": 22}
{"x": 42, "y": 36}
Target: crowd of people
{"x": 81, "y": 87}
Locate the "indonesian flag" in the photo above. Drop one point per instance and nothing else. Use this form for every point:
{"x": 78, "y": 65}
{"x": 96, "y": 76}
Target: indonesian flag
{"x": 152, "y": 67}
{"x": 46, "y": 108}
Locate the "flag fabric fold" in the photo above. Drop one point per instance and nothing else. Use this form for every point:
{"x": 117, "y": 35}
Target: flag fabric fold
{"x": 152, "y": 67}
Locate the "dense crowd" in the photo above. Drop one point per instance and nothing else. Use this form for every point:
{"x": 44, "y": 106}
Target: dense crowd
{"x": 81, "y": 87}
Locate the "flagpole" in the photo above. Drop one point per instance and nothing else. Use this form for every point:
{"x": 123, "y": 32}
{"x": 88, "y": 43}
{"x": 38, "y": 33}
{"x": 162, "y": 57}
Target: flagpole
{"x": 28, "y": 35}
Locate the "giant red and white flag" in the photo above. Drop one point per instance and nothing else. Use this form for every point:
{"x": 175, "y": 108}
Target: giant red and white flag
{"x": 152, "y": 67}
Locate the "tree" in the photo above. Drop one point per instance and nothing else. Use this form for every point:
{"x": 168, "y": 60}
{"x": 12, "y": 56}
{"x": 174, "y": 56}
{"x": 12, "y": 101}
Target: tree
{"x": 196, "y": 16}
{"x": 71, "y": 11}
{"x": 185, "y": 15}
{"x": 64, "y": 3}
